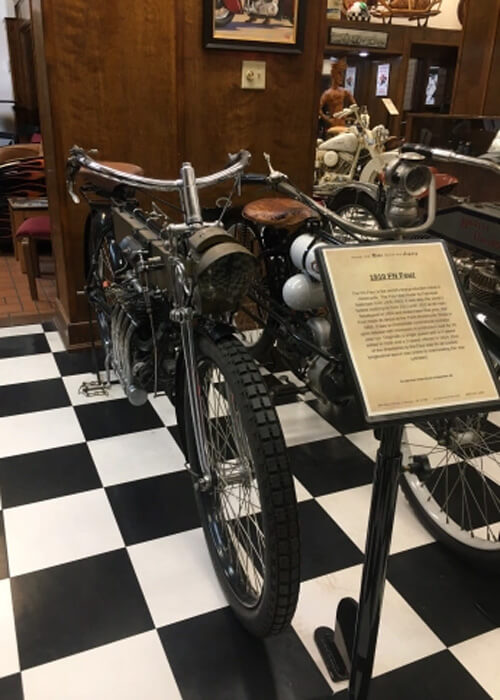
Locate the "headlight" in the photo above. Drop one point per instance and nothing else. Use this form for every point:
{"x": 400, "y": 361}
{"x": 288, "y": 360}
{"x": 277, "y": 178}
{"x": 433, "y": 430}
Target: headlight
{"x": 410, "y": 175}
{"x": 223, "y": 270}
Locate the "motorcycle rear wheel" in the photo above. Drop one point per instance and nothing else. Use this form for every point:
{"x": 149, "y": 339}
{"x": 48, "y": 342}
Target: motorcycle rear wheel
{"x": 249, "y": 514}
{"x": 457, "y": 495}
{"x": 359, "y": 207}
{"x": 222, "y": 15}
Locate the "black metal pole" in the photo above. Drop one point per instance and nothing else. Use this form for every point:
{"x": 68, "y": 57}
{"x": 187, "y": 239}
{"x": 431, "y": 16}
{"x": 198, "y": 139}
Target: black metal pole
{"x": 378, "y": 541}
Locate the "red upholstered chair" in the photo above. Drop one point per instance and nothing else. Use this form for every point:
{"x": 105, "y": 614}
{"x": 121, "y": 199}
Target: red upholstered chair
{"x": 32, "y": 230}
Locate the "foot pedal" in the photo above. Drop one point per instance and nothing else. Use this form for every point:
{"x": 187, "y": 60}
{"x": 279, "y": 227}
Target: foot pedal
{"x": 94, "y": 388}
{"x": 336, "y": 646}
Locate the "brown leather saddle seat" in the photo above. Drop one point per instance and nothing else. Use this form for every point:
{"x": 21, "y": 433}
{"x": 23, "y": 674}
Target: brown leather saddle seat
{"x": 104, "y": 183}
{"x": 279, "y": 212}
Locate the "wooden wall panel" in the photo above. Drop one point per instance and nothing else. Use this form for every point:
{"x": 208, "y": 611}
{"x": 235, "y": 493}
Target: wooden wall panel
{"x": 106, "y": 79}
{"x": 478, "y": 49}
{"x": 219, "y": 116}
{"x": 492, "y": 102}
{"x": 134, "y": 81}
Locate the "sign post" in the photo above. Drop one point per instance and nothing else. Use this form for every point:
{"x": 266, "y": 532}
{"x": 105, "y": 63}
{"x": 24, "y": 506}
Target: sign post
{"x": 408, "y": 336}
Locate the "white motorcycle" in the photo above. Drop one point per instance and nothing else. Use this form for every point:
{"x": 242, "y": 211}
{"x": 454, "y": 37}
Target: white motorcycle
{"x": 356, "y": 153}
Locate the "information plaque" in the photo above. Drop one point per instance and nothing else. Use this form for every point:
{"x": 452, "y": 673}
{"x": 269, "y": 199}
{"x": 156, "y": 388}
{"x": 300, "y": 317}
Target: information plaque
{"x": 407, "y": 330}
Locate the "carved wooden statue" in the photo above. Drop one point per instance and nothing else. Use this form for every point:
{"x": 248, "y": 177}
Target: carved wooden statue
{"x": 336, "y": 97}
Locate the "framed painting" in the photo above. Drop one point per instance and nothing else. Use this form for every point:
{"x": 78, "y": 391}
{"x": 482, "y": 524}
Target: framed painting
{"x": 255, "y": 25}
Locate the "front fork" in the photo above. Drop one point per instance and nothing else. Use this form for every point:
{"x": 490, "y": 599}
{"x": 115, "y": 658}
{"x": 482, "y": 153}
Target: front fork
{"x": 184, "y": 316}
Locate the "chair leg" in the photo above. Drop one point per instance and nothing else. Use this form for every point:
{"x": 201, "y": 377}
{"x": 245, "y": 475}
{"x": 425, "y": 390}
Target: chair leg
{"x": 27, "y": 256}
{"x": 34, "y": 256}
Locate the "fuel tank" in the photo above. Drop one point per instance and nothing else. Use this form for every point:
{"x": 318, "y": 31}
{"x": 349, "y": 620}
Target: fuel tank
{"x": 347, "y": 142}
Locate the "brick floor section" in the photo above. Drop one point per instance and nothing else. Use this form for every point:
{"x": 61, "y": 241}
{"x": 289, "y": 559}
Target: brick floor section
{"x": 16, "y": 304}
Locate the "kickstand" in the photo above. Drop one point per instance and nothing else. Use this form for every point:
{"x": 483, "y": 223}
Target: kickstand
{"x": 96, "y": 387}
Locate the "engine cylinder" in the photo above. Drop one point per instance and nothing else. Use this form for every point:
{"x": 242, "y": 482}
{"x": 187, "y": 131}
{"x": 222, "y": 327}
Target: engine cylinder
{"x": 303, "y": 254}
{"x": 301, "y": 293}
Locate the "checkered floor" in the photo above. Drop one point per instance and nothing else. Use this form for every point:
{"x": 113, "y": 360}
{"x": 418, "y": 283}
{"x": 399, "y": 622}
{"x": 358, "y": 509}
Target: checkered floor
{"x": 106, "y": 589}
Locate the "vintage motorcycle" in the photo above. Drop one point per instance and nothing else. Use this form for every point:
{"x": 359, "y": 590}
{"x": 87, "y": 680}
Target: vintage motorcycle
{"x": 451, "y": 467}
{"x": 161, "y": 292}
{"x": 225, "y": 10}
{"x": 357, "y": 152}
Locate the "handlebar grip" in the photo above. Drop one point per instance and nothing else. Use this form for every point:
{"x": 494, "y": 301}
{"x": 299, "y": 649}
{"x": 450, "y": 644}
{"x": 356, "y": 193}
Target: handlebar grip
{"x": 254, "y": 179}
{"x": 242, "y": 158}
{"x": 417, "y": 148}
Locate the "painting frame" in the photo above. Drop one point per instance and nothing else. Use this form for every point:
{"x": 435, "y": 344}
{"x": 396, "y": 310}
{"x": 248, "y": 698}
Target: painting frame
{"x": 212, "y": 38}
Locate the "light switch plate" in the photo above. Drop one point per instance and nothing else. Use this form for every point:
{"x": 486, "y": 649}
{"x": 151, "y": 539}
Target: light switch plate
{"x": 253, "y": 75}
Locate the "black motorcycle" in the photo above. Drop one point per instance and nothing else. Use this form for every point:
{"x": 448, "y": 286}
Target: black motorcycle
{"x": 161, "y": 292}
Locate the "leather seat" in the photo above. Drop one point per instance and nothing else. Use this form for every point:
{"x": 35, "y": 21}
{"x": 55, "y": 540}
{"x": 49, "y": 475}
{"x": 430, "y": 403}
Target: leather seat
{"x": 104, "y": 183}
{"x": 279, "y": 212}
{"x": 336, "y": 130}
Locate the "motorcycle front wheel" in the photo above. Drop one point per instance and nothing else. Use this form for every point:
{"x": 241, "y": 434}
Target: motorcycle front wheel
{"x": 249, "y": 513}
{"x": 222, "y": 15}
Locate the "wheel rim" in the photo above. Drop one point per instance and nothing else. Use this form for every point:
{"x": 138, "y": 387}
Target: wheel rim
{"x": 232, "y": 504}
{"x": 460, "y": 488}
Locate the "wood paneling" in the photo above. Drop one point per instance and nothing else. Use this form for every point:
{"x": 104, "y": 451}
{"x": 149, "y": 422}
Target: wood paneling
{"x": 133, "y": 80}
{"x": 472, "y": 86}
{"x": 492, "y": 101}
{"x": 219, "y": 116}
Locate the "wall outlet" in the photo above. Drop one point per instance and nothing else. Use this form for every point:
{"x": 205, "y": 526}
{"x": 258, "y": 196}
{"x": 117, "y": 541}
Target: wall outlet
{"x": 253, "y": 75}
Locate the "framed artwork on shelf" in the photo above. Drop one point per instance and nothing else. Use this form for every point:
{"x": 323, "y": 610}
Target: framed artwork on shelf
{"x": 383, "y": 74}
{"x": 350, "y": 79}
{"x": 254, "y": 25}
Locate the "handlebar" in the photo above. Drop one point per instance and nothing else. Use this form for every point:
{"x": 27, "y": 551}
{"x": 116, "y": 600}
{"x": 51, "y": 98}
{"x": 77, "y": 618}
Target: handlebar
{"x": 444, "y": 156}
{"x": 281, "y": 183}
{"x": 353, "y": 109}
{"x": 80, "y": 159}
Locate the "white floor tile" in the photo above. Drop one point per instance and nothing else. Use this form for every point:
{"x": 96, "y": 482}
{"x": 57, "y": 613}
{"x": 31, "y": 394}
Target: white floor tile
{"x": 480, "y": 657}
{"x": 9, "y": 660}
{"x": 350, "y": 510}
{"x": 40, "y": 430}
{"x": 403, "y": 637}
{"x": 31, "y": 329}
{"x": 77, "y": 398}
{"x": 366, "y": 442}
{"x": 177, "y": 577}
{"x": 28, "y": 368}
{"x": 300, "y": 423}
{"x": 136, "y": 456}
{"x": 55, "y": 341}
{"x": 59, "y": 530}
{"x": 164, "y": 408}
{"x": 131, "y": 669}
{"x": 301, "y": 492}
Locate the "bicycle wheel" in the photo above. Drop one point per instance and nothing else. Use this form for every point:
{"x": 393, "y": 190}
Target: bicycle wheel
{"x": 249, "y": 514}
{"x": 100, "y": 282}
{"x": 455, "y": 485}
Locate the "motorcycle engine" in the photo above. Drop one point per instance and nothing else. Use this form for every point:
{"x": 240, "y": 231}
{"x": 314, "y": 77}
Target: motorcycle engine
{"x": 332, "y": 166}
{"x": 481, "y": 280}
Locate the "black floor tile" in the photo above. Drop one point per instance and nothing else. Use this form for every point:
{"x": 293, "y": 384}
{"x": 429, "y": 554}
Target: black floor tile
{"x": 330, "y": 465}
{"x": 437, "y": 677}
{"x": 11, "y": 687}
{"x": 48, "y": 474}
{"x": 117, "y": 417}
{"x": 456, "y": 601}
{"x": 77, "y": 606}
{"x": 18, "y": 345}
{"x": 4, "y": 567}
{"x": 346, "y": 418}
{"x": 324, "y": 546}
{"x": 212, "y": 656}
{"x": 49, "y": 326}
{"x": 32, "y": 396}
{"x": 78, "y": 361}
{"x": 175, "y": 432}
{"x": 156, "y": 507}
